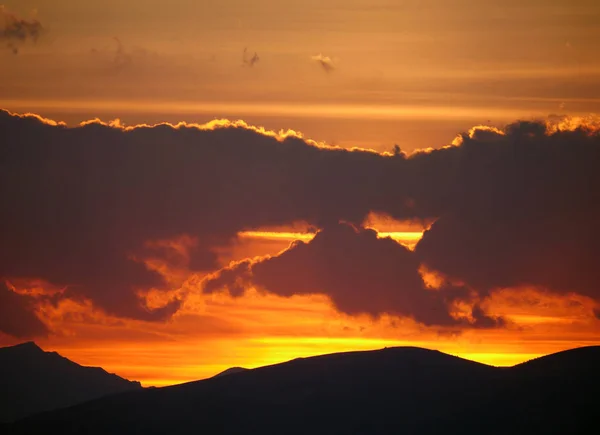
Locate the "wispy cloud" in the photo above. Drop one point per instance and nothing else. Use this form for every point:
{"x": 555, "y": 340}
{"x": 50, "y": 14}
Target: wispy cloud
{"x": 117, "y": 57}
{"x": 326, "y": 62}
{"x": 122, "y": 58}
{"x": 16, "y": 30}
{"x": 250, "y": 60}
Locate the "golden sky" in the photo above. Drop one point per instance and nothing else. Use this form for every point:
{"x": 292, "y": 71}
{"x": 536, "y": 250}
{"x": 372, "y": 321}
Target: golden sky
{"x": 338, "y": 74}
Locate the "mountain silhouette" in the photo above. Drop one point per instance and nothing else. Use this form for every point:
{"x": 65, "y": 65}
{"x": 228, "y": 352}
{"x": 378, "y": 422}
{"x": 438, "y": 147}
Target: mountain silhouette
{"x": 33, "y": 381}
{"x": 230, "y": 371}
{"x": 391, "y": 391}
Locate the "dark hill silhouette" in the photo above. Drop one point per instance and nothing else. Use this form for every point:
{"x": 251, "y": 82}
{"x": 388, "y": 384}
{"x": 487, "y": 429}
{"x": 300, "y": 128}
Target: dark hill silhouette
{"x": 390, "y": 391}
{"x": 230, "y": 371}
{"x": 33, "y": 381}
{"x": 582, "y": 358}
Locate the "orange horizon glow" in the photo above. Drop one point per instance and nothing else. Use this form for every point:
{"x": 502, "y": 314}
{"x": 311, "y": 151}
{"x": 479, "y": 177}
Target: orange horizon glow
{"x": 281, "y": 109}
{"x": 172, "y": 356}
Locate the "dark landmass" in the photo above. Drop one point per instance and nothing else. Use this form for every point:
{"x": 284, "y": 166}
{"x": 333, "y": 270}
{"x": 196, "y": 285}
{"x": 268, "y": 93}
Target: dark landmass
{"x": 390, "y": 391}
{"x": 33, "y": 381}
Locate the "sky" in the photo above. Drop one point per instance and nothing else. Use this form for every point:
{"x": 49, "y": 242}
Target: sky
{"x": 369, "y": 73}
{"x": 194, "y": 185}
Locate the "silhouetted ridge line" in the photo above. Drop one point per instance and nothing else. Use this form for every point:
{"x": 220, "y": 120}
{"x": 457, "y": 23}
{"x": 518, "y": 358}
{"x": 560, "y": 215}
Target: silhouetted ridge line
{"x": 394, "y": 390}
{"x": 33, "y": 381}
{"x": 28, "y": 346}
{"x": 230, "y": 371}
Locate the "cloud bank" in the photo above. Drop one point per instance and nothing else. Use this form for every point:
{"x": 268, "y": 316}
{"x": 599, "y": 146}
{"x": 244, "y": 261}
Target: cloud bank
{"x": 512, "y": 208}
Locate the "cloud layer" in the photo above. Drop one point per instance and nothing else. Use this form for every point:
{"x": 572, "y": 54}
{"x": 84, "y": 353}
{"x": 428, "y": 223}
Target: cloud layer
{"x": 514, "y": 208}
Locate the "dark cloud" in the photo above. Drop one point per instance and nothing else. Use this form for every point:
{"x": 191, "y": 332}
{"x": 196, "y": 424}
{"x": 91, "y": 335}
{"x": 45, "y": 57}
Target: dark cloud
{"x": 15, "y": 31}
{"x": 16, "y": 315}
{"x": 517, "y": 207}
{"x": 325, "y": 61}
{"x": 235, "y": 279}
{"x": 250, "y": 60}
{"x": 483, "y": 320}
{"x": 521, "y": 209}
{"x": 81, "y": 204}
{"x": 362, "y": 273}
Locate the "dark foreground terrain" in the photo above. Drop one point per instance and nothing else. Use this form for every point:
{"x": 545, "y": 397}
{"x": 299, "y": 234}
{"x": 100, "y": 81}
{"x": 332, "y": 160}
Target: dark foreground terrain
{"x": 391, "y": 391}
{"x": 33, "y": 381}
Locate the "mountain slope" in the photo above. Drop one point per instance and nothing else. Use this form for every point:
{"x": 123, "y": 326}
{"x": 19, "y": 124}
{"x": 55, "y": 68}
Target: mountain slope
{"x": 33, "y": 381}
{"x": 230, "y": 371}
{"x": 555, "y": 394}
{"x": 397, "y": 390}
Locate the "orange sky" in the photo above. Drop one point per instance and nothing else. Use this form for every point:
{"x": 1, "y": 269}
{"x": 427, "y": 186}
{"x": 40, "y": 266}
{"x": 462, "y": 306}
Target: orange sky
{"x": 412, "y": 73}
{"x": 396, "y": 65}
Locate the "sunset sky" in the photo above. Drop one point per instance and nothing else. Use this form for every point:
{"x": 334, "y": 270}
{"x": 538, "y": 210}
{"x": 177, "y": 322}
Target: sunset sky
{"x": 192, "y": 185}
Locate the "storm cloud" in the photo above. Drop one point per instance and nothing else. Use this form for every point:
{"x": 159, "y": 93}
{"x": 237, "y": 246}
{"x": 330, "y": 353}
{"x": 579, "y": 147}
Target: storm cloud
{"x": 516, "y": 207}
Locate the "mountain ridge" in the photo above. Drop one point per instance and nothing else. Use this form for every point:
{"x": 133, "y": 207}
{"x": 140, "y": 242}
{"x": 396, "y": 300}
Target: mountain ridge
{"x": 392, "y": 390}
{"x": 33, "y": 381}
{"x": 230, "y": 371}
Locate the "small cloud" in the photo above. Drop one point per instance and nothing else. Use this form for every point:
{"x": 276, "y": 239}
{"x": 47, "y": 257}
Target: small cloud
{"x": 250, "y": 61}
{"x": 326, "y": 62}
{"x": 16, "y": 30}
